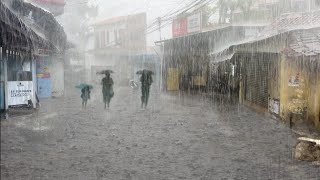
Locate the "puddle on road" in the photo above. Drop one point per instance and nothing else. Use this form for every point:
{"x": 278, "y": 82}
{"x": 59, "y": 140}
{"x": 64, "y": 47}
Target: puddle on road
{"x": 35, "y": 123}
{"x": 41, "y": 128}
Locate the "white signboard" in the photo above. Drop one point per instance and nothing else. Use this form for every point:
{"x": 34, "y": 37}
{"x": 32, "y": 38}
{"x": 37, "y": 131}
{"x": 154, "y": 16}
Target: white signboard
{"x": 194, "y": 23}
{"x": 19, "y": 92}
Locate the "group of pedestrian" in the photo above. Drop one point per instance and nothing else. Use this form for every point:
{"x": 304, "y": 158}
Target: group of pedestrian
{"x": 108, "y": 93}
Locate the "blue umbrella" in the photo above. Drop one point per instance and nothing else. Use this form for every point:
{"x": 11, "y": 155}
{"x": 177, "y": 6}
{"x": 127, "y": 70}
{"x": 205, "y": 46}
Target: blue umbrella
{"x": 83, "y": 85}
{"x": 107, "y": 71}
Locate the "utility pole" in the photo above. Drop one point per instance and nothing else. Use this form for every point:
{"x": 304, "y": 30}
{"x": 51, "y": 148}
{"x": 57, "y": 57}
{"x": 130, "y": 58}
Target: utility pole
{"x": 159, "y": 24}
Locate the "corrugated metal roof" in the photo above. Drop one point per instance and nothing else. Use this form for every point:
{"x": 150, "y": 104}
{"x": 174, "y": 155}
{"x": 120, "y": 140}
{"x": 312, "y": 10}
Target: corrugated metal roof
{"x": 305, "y": 43}
{"x": 303, "y": 29}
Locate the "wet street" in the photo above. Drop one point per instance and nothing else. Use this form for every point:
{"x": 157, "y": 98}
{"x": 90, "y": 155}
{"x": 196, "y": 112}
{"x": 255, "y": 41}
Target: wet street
{"x": 175, "y": 138}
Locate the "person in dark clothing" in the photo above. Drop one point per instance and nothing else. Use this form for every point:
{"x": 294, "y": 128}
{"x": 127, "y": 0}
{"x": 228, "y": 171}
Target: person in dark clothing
{"x": 85, "y": 96}
{"x": 146, "y": 81}
{"x": 107, "y": 90}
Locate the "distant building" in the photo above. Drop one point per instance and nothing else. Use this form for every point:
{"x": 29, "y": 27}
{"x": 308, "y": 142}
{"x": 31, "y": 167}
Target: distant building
{"x": 113, "y": 42}
{"x": 32, "y": 45}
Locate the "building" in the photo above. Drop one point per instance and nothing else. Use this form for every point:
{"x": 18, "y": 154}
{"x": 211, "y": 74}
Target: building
{"x": 25, "y": 39}
{"x": 186, "y": 62}
{"x": 273, "y": 68}
{"x": 278, "y": 71}
{"x": 112, "y": 44}
{"x": 49, "y": 62}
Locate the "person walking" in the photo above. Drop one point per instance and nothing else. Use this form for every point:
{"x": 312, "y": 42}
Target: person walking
{"x": 85, "y": 96}
{"x": 146, "y": 81}
{"x": 107, "y": 89}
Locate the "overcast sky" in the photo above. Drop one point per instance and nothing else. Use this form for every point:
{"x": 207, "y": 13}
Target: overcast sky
{"x": 153, "y": 8}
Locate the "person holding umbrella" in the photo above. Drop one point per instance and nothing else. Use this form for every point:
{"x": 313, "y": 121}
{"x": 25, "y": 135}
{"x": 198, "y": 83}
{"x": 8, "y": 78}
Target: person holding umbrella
{"x": 107, "y": 88}
{"x": 146, "y": 81}
{"x": 85, "y": 93}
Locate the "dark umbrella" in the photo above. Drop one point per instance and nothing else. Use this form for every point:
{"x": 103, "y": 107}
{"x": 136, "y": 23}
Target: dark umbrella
{"x": 107, "y": 71}
{"x": 146, "y": 71}
{"x": 83, "y": 85}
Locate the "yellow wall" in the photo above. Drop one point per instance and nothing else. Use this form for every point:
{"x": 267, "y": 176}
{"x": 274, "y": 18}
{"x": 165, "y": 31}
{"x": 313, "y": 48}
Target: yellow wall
{"x": 173, "y": 79}
{"x": 306, "y": 94}
{"x": 199, "y": 80}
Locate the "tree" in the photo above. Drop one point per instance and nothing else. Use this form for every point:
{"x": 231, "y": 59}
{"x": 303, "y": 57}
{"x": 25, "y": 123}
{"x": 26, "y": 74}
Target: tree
{"x": 223, "y": 8}
{"x": 229, "y": 5}
{"x": 76, "y": 20}
{"x": 232, "y": 4}
{"x": 245, "y": 6}
{"x": 207, "y": 12}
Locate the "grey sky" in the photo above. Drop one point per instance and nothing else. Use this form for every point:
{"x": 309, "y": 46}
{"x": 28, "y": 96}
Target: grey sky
{"x": 153, "y": 8}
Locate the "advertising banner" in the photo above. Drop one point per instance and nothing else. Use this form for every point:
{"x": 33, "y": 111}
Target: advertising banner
{"x": 179, "y": 27}
{"x": 19, "y": 92}
{"x": 194, "y": 23}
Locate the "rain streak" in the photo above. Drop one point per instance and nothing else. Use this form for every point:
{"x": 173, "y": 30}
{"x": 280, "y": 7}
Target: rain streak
{"x": 160, "y": 89}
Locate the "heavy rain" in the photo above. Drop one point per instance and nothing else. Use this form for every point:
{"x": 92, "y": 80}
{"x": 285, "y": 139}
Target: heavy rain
{"x": 160, "y": 89}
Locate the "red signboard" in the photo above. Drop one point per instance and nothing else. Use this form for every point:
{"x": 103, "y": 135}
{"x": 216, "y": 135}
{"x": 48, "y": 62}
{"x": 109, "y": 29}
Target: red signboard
{"x": 179, "y": 27}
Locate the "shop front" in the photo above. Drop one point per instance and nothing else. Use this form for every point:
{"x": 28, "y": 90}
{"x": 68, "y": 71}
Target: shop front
{"x": 44, "y": 85}
{"x": 20, "y": 85}
{"x": 300, "y": 91}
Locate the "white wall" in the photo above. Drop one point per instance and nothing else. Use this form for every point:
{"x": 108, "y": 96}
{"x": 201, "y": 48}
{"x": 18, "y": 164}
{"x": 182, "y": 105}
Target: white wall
{"x": 57, "y": 77}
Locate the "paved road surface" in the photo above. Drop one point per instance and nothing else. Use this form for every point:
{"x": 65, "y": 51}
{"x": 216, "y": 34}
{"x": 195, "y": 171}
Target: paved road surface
{"x": 175, "y": 138}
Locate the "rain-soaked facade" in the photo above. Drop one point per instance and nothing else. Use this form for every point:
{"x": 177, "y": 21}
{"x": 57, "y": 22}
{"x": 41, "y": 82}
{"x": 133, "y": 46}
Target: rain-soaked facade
{"x": 252, "y": 70}
{"x": 233, "y": 92}
{"x": 24, "y": 56}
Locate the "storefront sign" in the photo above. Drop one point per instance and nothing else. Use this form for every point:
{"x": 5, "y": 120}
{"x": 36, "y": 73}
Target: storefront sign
{"x": 179, "y": 27}
{"x": 19, "y": 92}
{"x": 194, "y": 23}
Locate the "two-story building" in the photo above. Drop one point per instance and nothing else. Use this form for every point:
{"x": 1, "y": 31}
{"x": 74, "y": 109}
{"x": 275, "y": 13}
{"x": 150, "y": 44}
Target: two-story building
{"x": 112, "y": 43}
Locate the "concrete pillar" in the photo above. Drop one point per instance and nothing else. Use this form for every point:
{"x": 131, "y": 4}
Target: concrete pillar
{"x": 34, "y": 80}
{"x": 5, "y": 58}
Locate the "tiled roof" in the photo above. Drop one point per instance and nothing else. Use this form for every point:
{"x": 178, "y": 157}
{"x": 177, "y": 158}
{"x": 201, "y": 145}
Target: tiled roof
{"x": 292, "y": 21}
{"x": 306, "y": 42}
{"x": 117, "y": 19}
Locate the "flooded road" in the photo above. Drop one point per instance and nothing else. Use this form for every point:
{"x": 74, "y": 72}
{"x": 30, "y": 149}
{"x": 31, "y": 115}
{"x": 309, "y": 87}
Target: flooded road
{"x": 175, "y": 138}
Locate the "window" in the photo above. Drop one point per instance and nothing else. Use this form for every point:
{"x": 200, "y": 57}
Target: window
{"x": 102, "y": 39}
{"x": 107, "y": 37}
{"x": 115, "y": 36}
{"x": 96, "y": 40}
{"x": 19, "y": 67}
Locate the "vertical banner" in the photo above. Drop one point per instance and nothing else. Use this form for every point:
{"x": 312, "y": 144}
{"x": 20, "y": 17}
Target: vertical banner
{"x": 44, "y": 88}
{"x": 179, "y": 27}
{"x": 19, "y": 92}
